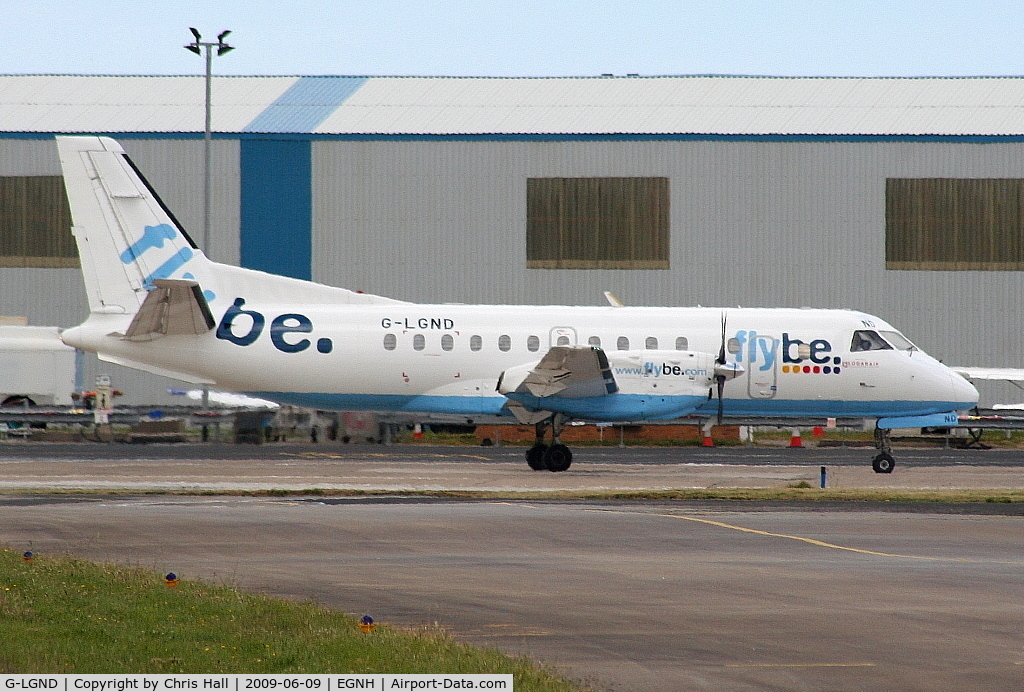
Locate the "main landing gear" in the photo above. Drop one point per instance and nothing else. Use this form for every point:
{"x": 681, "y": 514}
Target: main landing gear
{"x": 555, "y": 458}
{"x": 883, "y": 462}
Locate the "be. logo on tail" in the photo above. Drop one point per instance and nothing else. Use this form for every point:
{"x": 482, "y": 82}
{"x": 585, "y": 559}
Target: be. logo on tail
{"x": 281, "y": 327}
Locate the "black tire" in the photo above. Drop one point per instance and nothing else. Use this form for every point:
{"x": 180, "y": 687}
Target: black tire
{"x": 535, "y": 457}
{"x": 883, "y": 463}
{"x": 558, "y": 458}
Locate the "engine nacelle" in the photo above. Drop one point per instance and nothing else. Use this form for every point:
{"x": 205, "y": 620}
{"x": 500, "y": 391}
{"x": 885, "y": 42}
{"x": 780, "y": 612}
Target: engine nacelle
{"x": 663, "y": 373}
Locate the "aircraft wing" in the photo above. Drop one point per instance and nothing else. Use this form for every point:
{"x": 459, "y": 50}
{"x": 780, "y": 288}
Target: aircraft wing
{"x": 568, "y": 372}
{"x": 174, "y": 306}
{"x": 1004, "y": 374}
{"x": 571, "y": 373}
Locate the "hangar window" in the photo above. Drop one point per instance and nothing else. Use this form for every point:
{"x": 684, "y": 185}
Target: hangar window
{"x": 954, "y": 224}
{"x": 390, "y": 342}
{"x": 35, "y": 223}
{"x": 597, "y": 223}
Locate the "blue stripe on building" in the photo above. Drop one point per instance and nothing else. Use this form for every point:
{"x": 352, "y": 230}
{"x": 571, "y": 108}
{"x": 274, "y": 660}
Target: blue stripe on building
{"x": 276, "y": 233}
{"x": 305, "y": 104}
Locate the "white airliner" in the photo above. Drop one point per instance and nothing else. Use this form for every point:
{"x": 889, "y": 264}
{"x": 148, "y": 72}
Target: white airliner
{"x": 158, "y": 304}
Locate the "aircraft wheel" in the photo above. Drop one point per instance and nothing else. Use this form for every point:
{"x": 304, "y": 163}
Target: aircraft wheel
{"x": 535, "y": 457}
{"x": 883, "y": 463}
{"x": 558, "y": 458}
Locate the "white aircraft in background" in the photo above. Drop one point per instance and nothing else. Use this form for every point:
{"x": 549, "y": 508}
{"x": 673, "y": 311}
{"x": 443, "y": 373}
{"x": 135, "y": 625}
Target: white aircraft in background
{"x": 158, "y": 304}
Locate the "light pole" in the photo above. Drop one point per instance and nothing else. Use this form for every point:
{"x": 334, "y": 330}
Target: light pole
{"x": 197, "y": 48}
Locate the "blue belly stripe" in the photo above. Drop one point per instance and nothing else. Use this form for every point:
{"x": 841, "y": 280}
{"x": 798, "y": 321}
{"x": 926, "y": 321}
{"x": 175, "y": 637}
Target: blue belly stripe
{"x": 592, "y": 410}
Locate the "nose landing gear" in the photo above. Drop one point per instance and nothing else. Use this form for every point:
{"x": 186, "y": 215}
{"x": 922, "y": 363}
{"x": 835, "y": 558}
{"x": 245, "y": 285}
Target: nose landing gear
{"x": 883, "y": 462}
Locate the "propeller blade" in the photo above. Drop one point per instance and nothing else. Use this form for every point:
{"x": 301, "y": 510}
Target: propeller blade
{"x": 721, "y": 348}
{"x": 721, "y": 402}
{"x": 720, "y": 379}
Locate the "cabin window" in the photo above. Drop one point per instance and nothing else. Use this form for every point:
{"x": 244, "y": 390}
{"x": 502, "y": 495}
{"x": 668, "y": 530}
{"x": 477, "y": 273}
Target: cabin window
{"x": 390, "y": 342}
{"x": 476, "y": 342}
{"x": 419, "y": 342}
{"x": 733, "y": 345}
{"x": 651, "y": 344}
{"x": 504, "y": 342}
{"x": 447, "y": 342}
{"x": 868, "y": 340}
{"x": 681, "y": 343}
{"x": 622, "y": 343}
{"x": 533, "y": 343}
{"x": 562, "y": 341}
{"x": 597, "y": 223}
{"x": 35, "y": 223}
{"x": 594, "y": 341}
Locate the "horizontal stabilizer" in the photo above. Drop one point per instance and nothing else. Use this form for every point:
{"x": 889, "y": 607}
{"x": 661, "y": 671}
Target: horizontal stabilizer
{"x": 173, "y": 307}
{"x": 163, "y": 372}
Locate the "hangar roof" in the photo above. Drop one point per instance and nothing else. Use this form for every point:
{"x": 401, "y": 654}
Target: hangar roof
{"x": 632, "y": 105}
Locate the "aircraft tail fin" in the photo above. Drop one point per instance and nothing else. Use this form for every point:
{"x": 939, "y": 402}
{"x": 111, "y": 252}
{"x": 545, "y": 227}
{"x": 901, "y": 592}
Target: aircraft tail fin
{"x": 127, "y": 239}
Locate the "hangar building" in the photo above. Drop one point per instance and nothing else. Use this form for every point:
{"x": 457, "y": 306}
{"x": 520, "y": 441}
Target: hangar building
{"x": 901, "y": 197}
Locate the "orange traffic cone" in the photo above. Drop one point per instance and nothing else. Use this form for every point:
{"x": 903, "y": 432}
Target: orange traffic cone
{"x": 706, "y": 441}
{"x": 794, "y": 440}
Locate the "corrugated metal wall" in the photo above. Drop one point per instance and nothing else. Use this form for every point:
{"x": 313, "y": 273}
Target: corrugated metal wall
{"x": 752, "y": 222}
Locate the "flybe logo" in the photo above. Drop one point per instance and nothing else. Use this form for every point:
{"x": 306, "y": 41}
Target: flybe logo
{"x": 243, "y": 327}
{"x": 813, "y": 356}
{"x": 153, "y": 238}
{"x": 662, "y": 370}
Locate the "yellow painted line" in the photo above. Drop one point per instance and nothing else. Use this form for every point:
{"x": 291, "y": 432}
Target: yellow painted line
{"x": 800, "y": 665}
{"x": 823, "y": 544}
{"x": 804, "y": 539}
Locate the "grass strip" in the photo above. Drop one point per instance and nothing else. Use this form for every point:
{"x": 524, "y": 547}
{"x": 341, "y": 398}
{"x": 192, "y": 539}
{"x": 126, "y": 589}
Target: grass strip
{"x": 64, "y": 615}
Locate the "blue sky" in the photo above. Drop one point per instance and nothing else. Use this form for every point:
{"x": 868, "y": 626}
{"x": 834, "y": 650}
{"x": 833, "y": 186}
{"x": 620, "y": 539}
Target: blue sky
{"x": 519, "y": 37}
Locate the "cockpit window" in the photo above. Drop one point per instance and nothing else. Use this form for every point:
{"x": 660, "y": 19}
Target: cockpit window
{"x": 899, "y": 341}
{"x": 868, "y": 340}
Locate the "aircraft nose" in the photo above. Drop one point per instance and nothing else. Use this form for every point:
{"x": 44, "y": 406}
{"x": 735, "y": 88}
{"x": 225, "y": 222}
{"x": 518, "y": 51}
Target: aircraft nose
{"x": 964, "y": 393}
